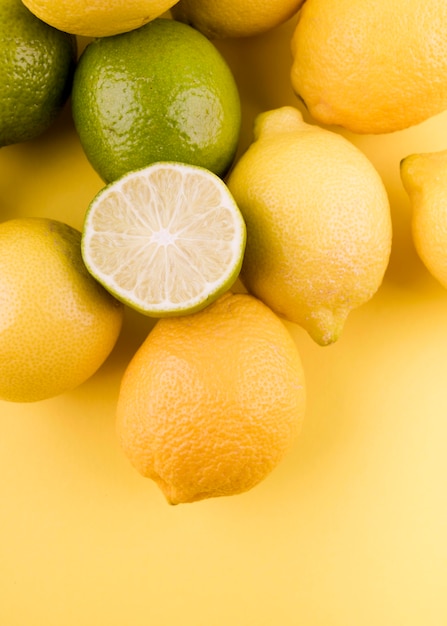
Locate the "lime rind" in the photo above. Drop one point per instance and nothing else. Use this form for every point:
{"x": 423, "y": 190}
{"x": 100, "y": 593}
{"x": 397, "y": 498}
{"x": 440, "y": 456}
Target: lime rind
{"x": 166, "y": 240}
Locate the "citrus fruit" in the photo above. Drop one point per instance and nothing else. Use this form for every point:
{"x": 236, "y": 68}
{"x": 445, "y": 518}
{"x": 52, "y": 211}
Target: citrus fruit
{"x": 318, "y": 222}
{"x": 57, "y": 323}
{"x": 36, "y": 71}
{"x": 221, "y": 19}
{"x": 211, "y": 402}
{"x": 424, "y": 177}
{"x": 166, "y": 239}
{"x": 371, "y": 67}
{"x": 97, "y": 18}
{"x": 159, "y": 93}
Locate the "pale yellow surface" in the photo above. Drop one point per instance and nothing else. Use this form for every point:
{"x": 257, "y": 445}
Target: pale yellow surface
{"x": 350, "y": 529}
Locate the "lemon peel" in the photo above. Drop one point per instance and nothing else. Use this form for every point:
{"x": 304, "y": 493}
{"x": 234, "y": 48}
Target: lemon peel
{"x": 318, "y": 222}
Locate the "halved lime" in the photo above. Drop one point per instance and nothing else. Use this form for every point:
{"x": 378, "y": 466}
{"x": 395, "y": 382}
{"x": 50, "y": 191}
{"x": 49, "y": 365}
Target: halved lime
{"x": 167, "y": 239}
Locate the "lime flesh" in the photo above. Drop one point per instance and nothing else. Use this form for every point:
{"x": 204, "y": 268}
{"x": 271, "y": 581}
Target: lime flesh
{"x": 165, "y": 240}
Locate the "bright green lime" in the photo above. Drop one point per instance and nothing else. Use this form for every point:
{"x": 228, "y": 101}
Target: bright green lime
{"x": 162, "y": 92}
{"x": 36, "y": 70}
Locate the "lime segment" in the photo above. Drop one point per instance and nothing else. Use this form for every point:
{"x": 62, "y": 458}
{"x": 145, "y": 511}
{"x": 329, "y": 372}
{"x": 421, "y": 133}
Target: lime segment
{"x": 167, "y": 239}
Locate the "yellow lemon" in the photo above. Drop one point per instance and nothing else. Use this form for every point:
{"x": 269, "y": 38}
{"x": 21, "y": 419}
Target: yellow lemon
{"x": 318, "y": 222}
{"x": 222, "y": 19}
{"x": 371, "y": 67}
{"x": 212, "y": 401}
{"x": 97, "y": 18}
{"x": 57, "y": 324}
{"x": 424, "y": 177}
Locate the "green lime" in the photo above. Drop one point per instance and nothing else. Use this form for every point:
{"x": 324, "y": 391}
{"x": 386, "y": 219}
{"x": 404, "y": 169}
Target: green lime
{"x": 36, "y": 72}
{"x": 166, "y": 240}
{"x": 162, "y": 92}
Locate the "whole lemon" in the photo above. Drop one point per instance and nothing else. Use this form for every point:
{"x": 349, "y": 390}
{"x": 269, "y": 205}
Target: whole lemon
{"x": 58, "y": 325}
{"x": 220, "y": 19}
{"x": 159, "y": 93}
{"x": 97, "y": 18}
{"x": 424, "y": 177}
{"x": 371, "y": 67}
{"x": 212, "y": 401}
{"x": 36, "y": 70}
{"x": 318, "y": 222}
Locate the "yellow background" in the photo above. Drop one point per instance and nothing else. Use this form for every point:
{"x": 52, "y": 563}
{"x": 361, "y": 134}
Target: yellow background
{"x": 351, "y": 528}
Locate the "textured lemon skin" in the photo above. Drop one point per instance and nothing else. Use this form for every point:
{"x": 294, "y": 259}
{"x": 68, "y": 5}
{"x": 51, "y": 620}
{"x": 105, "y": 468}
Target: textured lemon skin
{"x": 318, "y": 222}
{"x": 36, "y": 72}
{"x": 97, "y": 18}
{"x": 57, "y": 325}
{"x": 160, "y": 93}
{"x": 371, "y": 67}
{"x": 424, "y": 177}
{"x": 212, "y": 401}
{"x": 220, "y": 19}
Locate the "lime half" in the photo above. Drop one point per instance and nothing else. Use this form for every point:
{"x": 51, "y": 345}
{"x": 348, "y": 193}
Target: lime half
{"x": 167, "y": 239}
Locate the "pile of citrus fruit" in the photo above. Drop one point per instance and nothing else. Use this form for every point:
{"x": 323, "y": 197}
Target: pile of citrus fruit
{"x": 215, "y": 396}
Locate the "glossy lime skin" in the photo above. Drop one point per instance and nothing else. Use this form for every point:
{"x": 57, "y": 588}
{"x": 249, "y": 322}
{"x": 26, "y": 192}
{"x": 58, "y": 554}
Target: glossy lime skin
{"x": 162, "y": 92}
{"x": 37, "y": 65}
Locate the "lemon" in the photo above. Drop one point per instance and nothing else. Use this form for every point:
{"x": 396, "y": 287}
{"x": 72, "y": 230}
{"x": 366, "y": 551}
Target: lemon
{"x": 97, "y": 18}
{"x": 424, "y": 177}
{"x": 58, "y": 325}
{"x": 211, "y": 402}
{"x": 159, "y": 93}
{"x": 36, "y": 71}
{"x": 220, "y": 19}
{"x": 371, "y": 68}
{"x": 318, "y": 222}
{"x": 166, "y": 239}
